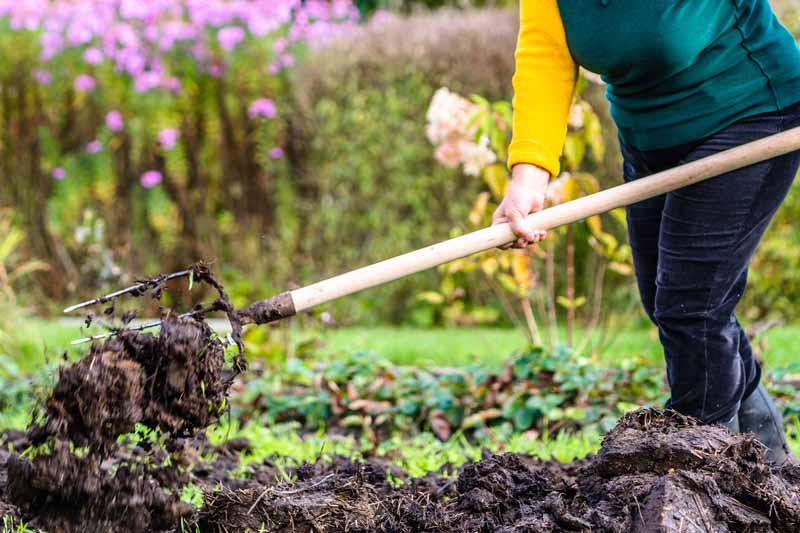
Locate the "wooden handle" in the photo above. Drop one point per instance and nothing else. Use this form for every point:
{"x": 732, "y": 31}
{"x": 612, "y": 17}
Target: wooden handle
{"x": 566, "y": 213}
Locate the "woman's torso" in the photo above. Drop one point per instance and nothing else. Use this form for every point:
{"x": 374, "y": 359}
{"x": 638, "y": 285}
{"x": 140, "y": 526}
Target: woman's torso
{"x": 679, "y": 70}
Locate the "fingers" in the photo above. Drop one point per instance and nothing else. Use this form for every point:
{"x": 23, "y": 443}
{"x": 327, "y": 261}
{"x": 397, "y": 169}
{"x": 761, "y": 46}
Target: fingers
{"x": 520, "y": 228}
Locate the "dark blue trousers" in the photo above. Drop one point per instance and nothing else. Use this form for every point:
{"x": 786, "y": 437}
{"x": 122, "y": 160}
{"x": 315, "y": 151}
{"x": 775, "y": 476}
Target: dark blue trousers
{"x": 691, "y": 250}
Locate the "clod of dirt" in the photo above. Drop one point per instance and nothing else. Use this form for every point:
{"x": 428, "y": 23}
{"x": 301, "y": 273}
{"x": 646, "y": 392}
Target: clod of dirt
{"x": 330, "y": 503}
{"x": 80, "y": 477}
{"x": 173, "y": 382}
{"x": 65, "y": 492}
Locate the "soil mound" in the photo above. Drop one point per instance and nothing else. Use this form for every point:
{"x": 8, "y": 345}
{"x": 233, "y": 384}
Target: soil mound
{"x": 80, "y": 477}
{"x": 656, "y": 472}
{"x": 173, "y": 382}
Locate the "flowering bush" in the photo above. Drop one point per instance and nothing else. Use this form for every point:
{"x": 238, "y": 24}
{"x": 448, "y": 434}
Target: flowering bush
{"x": 452, "y": 129}
{"x": 160, "y": 110}
{"x": 475, "y": 134}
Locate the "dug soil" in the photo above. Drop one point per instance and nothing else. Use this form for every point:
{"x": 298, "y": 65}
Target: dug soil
{"x": 656, "y": 472}
{"x": 122, "y": 434}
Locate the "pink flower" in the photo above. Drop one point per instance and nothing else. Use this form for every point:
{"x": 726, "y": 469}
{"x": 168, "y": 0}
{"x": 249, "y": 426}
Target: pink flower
{"x": 276, "y": 153}
{"x": 173, "y": 84}
{"x": 59, "y": 173}
{"x": 287, "y": 60}
{"x": 151, "y": 178}
{"x": 215, "y": 70}
{"x": 114, "y": 121}
{"x": 229, "y": 37}
{"x": 42, "y": 76}
{"x": 84, "y": 83}
{"x": 263, "y": 107}
{"x": 94, "y": 146}
{"x": 168, "y": 137}
{"x": 280, "y": 46}
{"x": 93, "y": 56}
{"x": 448, "y": 154}
{"x": 146, "y": 81}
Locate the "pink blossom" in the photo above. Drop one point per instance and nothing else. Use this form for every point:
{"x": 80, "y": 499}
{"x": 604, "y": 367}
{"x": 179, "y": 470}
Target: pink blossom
{"x": 168, "y": 137}
{"x": 85, "y": 83}
{"x": 43, "y": 77}
{"x": 151, "y": 178}
{"x": 276, "y": 153}
{"x": 215, "y": 70}
{"x": 146, "y": 81}
{"x": 94, "y": 146}
{"x": 93, "y": 56}
{"x": 263, "y": 107}
{"x": 59, "y": 173}
{"x": 229, "y": 37}
{"x": 280, "y": 45}
{"x": 448, "y": 154}
{"x": 173, "y": 84}
{"x": 114, "y": 120}
{"x": 78, "y": 34}
{"x": 287, "y": 60}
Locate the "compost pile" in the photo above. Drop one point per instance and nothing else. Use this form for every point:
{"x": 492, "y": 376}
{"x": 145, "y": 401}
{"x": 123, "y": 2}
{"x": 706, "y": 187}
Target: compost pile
{"x": 73, "y": 471}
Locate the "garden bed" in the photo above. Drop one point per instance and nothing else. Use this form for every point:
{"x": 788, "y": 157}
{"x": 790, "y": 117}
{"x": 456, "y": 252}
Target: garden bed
{"x": 121, "y": 439}
{"x": 656, "y": 471}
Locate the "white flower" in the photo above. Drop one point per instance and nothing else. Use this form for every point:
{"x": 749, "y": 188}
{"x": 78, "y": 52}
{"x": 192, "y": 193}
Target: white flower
{"x": 576, "y": 116}
{"x": 475, "y": 157}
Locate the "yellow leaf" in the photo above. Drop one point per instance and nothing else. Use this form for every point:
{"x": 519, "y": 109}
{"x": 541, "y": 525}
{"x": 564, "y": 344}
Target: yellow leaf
{"x": 595, "y": 224}
{"x": 489, "y": 265}
{"x": 520, "y": 268}
{"x": 621, "y": 268}
{"x": 479, "y": 209}
{"x": 496, "y": 178}
{"x": 508, "y": 283}
{"x": 433, "y": 298}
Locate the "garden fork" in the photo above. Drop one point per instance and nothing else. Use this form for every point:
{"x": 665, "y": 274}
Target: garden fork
{"x": 292, "y": 302}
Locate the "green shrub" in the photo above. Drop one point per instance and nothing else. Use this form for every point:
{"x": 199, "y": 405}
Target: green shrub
{"x": 367, "y": 184}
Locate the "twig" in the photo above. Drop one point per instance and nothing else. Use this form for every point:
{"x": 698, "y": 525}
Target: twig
{"x": 288, "y": 492}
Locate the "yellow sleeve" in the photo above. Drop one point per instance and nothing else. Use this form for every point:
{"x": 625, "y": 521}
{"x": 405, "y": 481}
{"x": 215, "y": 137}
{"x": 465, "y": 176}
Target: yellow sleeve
{"x": 544, "y": 83}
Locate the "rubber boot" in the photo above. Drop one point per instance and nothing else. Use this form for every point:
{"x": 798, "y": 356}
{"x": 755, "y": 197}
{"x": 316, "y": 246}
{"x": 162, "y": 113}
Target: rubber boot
{"x": 758, "y": 414}
{"x": 732, "y": 424}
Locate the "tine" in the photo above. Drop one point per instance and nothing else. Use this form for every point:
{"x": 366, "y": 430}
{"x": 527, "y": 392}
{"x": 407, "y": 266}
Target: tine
{"x": 132, "y": 288}
{"x": 140, "y": 327}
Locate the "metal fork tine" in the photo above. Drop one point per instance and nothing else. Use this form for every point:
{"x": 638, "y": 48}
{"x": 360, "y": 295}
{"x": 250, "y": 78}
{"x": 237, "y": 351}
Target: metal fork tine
{"x": 132, "y": 288}
{"x": 140, "y": 327}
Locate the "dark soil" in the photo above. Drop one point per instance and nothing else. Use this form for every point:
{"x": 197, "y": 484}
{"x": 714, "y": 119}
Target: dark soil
{"x": 75, "y": 470}
{"x": 75, "y": 474}
{"x": 656, "y": 472}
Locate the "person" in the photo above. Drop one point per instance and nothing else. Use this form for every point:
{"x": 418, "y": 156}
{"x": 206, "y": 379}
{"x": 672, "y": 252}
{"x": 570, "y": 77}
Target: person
{"x": 685, "y": 79}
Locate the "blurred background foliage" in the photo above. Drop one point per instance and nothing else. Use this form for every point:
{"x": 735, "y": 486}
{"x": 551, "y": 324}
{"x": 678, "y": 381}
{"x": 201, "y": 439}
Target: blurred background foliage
{"x": 338, "y": 175}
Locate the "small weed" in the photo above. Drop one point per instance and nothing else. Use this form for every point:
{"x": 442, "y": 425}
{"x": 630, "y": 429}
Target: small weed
{"x": 12, "y": 526}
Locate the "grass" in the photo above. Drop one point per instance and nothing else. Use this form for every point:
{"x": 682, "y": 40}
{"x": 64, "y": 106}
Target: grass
{"x": 12, "y": 526}
{"x": 417, "y": 455}
{"x": 48, "y": 339}
{"x": 491, "y": 346}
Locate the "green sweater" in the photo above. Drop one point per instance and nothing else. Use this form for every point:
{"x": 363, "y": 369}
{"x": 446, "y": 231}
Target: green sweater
{"x": 681, "y": 70}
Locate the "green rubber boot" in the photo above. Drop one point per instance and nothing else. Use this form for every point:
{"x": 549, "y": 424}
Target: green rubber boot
{"x": 758, "y": 414}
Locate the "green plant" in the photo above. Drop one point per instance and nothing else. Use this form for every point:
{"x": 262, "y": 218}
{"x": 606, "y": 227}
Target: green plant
{"x": 368, "y": 185}
{"x": 548, "y": 391}
{"x": 475, "y": 134}
{"x": 10, "y": 525}
{"x": 14, "y": 267}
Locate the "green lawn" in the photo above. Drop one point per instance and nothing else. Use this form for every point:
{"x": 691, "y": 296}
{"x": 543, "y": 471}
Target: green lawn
{"x": 410, "y": 346}
{"x": 461, "y": 346}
